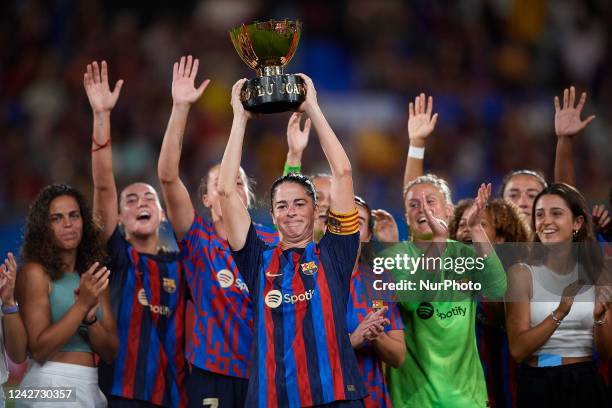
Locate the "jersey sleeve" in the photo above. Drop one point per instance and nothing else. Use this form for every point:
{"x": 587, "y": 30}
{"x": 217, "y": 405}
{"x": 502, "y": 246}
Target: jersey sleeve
{"x": 342, "y": 251}
{"x": 248, "y": 259}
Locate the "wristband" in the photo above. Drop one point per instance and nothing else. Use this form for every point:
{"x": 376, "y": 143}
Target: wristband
{"x": 416, "y": 152}
{"x": 291, "y": 169}
{"x": 7, "y": 310}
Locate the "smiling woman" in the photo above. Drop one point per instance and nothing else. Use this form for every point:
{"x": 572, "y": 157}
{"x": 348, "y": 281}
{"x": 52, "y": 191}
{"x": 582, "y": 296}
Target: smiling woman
{"x": 300, "y": 289}
{"x": 558, "y": 308}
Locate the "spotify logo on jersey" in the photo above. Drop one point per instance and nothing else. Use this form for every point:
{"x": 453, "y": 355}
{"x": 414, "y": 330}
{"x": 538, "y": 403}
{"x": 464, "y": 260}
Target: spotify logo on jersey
{"x": 225, "y": 278}
{"x": 425, "y": 310}
{"x": 274, "y": 298}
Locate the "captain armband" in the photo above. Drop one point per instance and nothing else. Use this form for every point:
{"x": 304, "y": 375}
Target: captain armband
{"x": 343, "y": 223}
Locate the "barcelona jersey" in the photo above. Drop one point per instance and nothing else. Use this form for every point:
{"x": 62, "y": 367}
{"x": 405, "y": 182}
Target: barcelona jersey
{"x": 220, "y": 315}
{"x": 362, "y": 301}
{"x": 148, "y": 295}
{"x": 302, "y": 352}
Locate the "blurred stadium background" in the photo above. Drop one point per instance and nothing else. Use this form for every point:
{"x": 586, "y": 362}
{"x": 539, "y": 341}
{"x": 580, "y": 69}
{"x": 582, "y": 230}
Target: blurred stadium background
{"x": 493, "y": 67}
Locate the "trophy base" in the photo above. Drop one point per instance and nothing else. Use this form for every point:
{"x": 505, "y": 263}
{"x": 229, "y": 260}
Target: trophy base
{"x": 273, "y": 94}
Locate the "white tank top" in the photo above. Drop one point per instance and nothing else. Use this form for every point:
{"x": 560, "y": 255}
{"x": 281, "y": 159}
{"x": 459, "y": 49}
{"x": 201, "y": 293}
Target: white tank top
{"x": 574, "y": 336}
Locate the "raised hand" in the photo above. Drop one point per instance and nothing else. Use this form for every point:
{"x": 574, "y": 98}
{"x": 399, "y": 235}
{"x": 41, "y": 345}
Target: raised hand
{"x": 8, "y": 273}
{"x": 601, "y": 218}
{"x": 420, "y": 121}
{"x": 474, "y": 213}
{"x": 95, "y": 81}
{"x": 385, "y": 227}
{"x": 297, "y": 138}
{"x": 567, "y": 118}
{"x": 237, "y": 107}
{"x": 311, "y": 95}
{"x": 184, "y": 73}
{"x": 92, "y": 283}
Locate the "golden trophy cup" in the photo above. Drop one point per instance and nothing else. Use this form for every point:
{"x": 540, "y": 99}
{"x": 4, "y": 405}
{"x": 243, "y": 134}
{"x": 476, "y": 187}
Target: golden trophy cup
{"x": 267, "y": 47}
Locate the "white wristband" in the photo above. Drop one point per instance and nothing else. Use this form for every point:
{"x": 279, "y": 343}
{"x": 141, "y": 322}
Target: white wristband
{"x": 416, "y": 152}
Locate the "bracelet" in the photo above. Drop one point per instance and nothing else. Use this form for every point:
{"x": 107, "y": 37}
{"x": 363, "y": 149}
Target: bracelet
{"x": 100, "y": 146}
{"x": 90, "y": 322}
{"x": 557, "y": 321}
{"x": 291, "y": 169}
{"x": 7, "y": 310}
{"x": 600, "y": 321}
{"x": 416, "y": 152}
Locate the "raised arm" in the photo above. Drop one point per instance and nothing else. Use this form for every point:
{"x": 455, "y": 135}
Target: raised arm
{"x": 342, "y": 194}
{"x": 421, "y": 124}
{"x": 102, "y": 101}
{"x": 567, "y": 125}
{"x": 297, "y": 140}
{"x": 236, "y": 217}
{"x": 179, "y": 206}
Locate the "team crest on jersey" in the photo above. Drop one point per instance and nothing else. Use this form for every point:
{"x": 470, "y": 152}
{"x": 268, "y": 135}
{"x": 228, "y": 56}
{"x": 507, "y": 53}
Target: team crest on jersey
{"x": 377, "y": 304}
{"x": 169, "y": 285}
{"x": 309, "y": 268}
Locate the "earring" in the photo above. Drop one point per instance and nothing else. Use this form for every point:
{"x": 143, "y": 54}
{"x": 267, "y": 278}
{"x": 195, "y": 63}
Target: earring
{"x": 575, "y": 233}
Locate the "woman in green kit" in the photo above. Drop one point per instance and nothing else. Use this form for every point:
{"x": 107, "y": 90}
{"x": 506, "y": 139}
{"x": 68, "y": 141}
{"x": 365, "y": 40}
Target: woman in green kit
{"x": 442, "y": 367}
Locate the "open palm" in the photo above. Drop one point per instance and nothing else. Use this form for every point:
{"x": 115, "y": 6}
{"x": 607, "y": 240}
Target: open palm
{"x": 474, "y": 213}
{"x": 95, "y": 81}
{"x": 420, "y": 121}
{"x": 183, "y": 79}
{"x": 567, "y": 118}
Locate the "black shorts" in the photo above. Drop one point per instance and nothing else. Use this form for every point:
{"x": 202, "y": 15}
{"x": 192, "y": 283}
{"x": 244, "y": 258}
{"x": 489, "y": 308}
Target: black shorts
{"x": 571, "y": 385}
{"x": 211, "y": 390}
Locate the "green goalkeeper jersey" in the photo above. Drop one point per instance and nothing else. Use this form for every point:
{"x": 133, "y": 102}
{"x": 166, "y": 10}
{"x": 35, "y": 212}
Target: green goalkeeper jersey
{"x": 442, "y": 367}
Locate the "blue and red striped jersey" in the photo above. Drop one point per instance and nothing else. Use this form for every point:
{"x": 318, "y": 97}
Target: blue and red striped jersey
{"x": 303, "y": 355}
{"x": 499, "y": 367}
{"x": 148, "y": 293}
{"x": 363, "y": 300}
{"x": 220, "y": 315}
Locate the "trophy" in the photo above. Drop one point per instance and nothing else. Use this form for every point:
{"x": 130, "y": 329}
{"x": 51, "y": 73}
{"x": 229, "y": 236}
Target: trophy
{"x": 267, "y": 47}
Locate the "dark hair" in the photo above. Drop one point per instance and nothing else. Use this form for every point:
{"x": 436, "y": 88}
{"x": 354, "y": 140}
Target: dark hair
{"x": 588, "y": 252}
{"x": 523, "y": 172}
{"x": 296, "y": 178}
{"x": 360, "y": 201}
{"x": 39, "y": 245}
